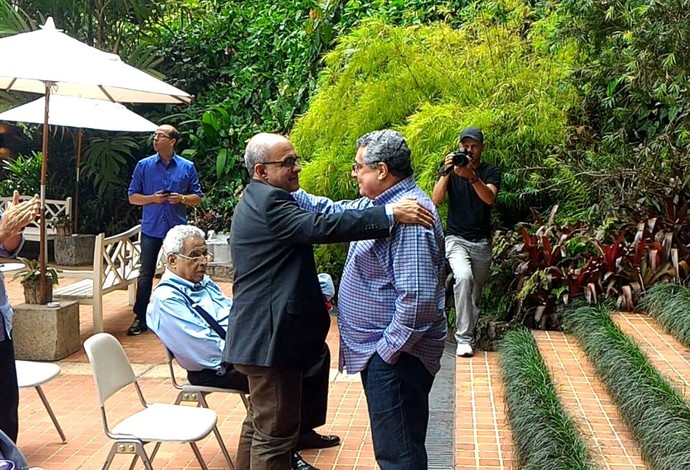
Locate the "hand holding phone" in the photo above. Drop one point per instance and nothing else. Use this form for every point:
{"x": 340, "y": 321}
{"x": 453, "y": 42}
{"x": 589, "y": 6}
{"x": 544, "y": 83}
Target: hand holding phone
{"x": 165, "y": 192}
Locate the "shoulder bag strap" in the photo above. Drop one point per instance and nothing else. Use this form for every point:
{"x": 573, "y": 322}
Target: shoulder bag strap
{"x": 215, "y": 326}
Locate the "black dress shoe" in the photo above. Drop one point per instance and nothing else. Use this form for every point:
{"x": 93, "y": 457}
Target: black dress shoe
{"x": 298, "y": 463}
{"x": 314, "y": 440}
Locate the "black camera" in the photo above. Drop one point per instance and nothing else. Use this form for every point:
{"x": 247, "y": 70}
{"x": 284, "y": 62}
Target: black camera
{"x": 461, "y": 157}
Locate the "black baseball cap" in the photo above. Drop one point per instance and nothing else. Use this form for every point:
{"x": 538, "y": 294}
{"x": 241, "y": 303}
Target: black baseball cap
{"x": 473, "y": 133}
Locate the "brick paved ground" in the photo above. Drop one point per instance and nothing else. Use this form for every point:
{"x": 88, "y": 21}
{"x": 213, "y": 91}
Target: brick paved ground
{"x": 481, "y": 431}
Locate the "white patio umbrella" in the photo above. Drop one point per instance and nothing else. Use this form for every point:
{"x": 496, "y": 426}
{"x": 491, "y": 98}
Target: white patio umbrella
{"x": 48, "y": 56}
{"x": 71, "y": 111}
{"x": 48, "y": 61}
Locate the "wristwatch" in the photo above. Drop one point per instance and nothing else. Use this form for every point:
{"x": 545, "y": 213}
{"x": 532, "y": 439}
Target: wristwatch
{"x": 184, "y": 199}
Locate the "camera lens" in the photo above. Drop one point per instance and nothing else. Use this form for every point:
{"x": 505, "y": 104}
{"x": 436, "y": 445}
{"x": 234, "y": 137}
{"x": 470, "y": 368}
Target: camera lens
{"x": 461, "y": 157}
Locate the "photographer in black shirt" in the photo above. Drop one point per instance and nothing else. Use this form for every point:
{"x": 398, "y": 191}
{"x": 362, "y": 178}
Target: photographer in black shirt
{"x": 471, "y": 186}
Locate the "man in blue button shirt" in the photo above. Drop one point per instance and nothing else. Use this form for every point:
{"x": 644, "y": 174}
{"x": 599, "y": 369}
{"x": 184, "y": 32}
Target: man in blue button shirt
{"x": 198, "y": 348}
{"x": 12, "y": 222}
{"x": 164, "y": 184}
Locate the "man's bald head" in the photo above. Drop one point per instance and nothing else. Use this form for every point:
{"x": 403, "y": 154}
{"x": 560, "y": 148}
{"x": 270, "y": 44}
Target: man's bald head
{"x": 258, "y": 149}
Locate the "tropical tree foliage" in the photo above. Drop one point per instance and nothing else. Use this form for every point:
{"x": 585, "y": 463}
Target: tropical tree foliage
{"x": 255, "y": 68}
{"x": 428, "y": 82}
{"x": 633, "y": 80}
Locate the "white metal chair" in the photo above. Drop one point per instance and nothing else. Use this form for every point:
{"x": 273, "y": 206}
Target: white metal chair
{"x": 35, "y": 374}
{"x": 155, "y": 422}
{"x": 196, "y": 394}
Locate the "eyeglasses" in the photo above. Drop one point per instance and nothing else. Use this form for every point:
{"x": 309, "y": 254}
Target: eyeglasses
{"x": 160, "y": 135}
{"x": 358, "y": 166}
{"x": 197, "y": 259}
{"x": 288, "y": 162}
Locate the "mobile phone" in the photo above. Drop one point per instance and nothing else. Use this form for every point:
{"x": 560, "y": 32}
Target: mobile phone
{"x": 166, "y": 191}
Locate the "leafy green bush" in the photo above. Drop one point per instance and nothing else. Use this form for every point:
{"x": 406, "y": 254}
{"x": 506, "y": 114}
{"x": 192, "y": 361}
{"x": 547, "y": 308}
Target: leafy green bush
{"x": 23, "y": 174}
{"x": 428, "y": 82}
{"x": 633, "y": 75}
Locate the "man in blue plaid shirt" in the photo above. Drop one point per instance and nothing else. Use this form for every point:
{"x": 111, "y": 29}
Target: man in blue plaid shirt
{"x": 391, "y": 303}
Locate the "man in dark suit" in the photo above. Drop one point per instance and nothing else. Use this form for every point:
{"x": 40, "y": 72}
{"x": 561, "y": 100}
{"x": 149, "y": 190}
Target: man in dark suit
{"x": 278, "y": 322}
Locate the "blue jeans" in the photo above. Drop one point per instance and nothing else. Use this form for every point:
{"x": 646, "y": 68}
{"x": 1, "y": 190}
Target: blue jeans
{"x": 398, "y": 400}
{"x": 150, "y": 247}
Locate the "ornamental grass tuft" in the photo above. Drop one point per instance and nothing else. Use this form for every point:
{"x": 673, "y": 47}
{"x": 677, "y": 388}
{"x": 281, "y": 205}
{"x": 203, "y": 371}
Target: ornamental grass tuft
{"x": 545, "y": 436}
{"x": 656, "y": 413}
{"x": 669, "y": 304}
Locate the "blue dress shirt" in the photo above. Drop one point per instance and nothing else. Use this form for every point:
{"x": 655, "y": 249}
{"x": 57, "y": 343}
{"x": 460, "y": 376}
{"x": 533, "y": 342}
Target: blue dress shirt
{"x": 391, "y": 296}
{"x": 5, "y": 308}
{"x": 190, "y": 338}
{"x": 150, "y": 176}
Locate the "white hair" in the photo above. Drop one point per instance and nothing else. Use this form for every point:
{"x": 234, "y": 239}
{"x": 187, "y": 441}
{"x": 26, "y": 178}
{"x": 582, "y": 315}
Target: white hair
{"x": 174, "y": 240}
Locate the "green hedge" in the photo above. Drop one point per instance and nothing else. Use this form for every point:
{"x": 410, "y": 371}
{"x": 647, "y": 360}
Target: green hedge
{"x": 658, "y": 415}
{"x": 545, "y": 436}
{"x": 669, "y": 304}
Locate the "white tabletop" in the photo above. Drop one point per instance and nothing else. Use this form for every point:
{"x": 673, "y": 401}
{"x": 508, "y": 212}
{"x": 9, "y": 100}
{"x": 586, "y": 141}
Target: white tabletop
{"x": 31, "y": 374}
{"x": 10, "y": 267}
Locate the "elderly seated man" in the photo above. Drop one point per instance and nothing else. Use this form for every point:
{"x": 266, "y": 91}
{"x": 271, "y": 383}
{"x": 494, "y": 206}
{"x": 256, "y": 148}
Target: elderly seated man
{"x": 176, "y": 315}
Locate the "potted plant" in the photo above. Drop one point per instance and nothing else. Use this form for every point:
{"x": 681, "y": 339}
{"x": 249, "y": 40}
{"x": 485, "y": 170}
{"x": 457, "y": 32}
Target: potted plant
{"x": 71, "y": 249}
{"x": 30, "y": 275}
{"x": 62, "y": 223}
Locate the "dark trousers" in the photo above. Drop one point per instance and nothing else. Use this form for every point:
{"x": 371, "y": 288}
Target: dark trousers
{"x": 398, "y": 401}
{"x": 283, "y": 404}
{"x": 274, "y": 411}
{"x": 314, "y": 388}
{"x": 9, "y": 390}
{"x": 232, "y": 379}
{"x": 150, "y": 247}
{"x": 314, "y": 405}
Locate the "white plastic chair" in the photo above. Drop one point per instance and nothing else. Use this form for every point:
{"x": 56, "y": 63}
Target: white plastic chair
{"x": 155, "y": 422}
{"x": 196, "y": 394}
{"x": 35, "y": 374}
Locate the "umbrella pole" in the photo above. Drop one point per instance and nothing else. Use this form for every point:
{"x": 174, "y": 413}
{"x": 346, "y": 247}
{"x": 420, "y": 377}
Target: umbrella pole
{"x": 43, "y": 242}
{"x": 75, "y": 209}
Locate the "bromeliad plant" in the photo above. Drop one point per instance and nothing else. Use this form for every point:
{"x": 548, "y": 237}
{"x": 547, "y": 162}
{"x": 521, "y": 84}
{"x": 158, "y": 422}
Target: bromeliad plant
{"x": 31, "y": 272}
{"x": 62, "y": 224}
{"x": 562, "y": 262}
{"x": 557, "y": 263}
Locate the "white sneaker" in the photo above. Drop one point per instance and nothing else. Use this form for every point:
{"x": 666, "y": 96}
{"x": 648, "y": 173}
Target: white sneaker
{"x": 464, "y": 350}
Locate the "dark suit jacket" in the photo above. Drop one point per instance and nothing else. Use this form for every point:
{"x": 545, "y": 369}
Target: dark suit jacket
{"x": 278, "y": 318}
